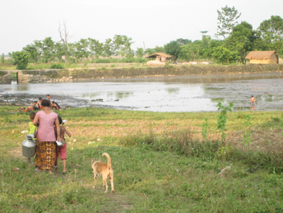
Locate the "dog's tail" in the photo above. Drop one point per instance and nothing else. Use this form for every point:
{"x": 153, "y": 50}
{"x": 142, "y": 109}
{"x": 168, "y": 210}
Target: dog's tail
{"x": 108, "y": 160}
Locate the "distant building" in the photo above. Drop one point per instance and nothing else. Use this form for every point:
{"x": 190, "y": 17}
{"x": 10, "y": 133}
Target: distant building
{"x": 262, "y": 57}
{"x": 159, "y": 57}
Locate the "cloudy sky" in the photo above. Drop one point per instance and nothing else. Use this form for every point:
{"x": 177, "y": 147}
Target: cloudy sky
{"x": 149, "y": 22}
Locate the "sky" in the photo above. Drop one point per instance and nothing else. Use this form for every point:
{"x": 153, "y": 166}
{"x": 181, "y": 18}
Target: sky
{"x": 149, "y": 23}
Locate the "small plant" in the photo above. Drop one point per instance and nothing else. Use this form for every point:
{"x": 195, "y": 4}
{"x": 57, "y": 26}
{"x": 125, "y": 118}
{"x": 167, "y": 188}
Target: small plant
{"x": 167, "y": 65}
{"x": 247, "y": 136}
{"x": 56, "y": 66}
{"x": 204, "y": 132}
{"x": 222, "y": 118}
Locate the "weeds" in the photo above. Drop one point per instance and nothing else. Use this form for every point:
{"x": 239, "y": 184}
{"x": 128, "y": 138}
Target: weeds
{"x": 222, "y": 118}
{"x": 247, "y": 136}
{"x": 204, "y": 132}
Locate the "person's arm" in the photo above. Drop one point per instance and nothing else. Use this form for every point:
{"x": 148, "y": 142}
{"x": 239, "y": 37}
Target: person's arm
{"x": 35, "y": 120}
{"x": 57, "y": 129}
{"x": 67, "y": 132}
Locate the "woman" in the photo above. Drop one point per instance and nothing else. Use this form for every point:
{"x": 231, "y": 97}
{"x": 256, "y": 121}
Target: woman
{"x": 46, "y": 146}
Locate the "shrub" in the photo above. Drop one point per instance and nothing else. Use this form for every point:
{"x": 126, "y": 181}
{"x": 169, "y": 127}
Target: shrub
{"x": 56, "y": 66}
{"x": 20, "y": 58}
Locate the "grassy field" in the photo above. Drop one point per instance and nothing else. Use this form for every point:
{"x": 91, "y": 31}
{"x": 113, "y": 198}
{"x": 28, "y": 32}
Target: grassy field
{"x": 163, "y": 162}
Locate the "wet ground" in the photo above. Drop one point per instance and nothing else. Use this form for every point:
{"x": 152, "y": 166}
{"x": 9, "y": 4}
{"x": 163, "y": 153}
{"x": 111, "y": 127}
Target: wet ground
{"x": 176, "y": 94}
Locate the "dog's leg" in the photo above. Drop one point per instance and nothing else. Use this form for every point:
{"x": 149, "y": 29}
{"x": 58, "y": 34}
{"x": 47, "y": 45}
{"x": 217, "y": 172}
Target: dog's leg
{"x": 105, "y": 182}
{"x": 94, "y": 179}
{"x": 112, "y": 181}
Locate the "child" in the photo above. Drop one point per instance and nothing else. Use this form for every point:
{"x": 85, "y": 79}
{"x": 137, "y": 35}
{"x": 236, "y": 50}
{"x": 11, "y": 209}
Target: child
{"x": 32, "y": 127}
{"x": 62, "y": 150}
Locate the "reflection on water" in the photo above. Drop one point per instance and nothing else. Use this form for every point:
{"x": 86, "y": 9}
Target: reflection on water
{"x": 167, "y": 94}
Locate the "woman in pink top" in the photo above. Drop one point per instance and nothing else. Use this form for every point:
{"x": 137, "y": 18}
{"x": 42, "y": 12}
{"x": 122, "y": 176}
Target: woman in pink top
{"x": 46, "y": 146}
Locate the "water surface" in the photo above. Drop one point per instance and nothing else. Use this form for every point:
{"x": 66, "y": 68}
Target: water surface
{"x": 176, "y": 94}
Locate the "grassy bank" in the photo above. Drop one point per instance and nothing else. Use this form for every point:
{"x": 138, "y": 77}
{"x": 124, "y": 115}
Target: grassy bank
{"x": 163, "y": 162}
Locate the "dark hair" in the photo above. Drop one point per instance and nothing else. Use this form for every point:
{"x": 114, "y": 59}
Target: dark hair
{"x": 35, "y": 102}
{"x": 32, "y": 115}
{"x": 47, "y": 95}
{"x": 45, "y": 103}
{"x": 60, "y": 119}
{"x": 40, "y": 98}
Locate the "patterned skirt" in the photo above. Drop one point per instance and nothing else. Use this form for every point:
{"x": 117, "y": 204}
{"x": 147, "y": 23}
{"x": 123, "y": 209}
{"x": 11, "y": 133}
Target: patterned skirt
{"x": 45, "y": 155}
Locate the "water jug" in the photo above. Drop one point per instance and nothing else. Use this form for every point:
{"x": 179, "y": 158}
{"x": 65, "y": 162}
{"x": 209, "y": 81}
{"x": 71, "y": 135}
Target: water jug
{"x": 29, "y": 146}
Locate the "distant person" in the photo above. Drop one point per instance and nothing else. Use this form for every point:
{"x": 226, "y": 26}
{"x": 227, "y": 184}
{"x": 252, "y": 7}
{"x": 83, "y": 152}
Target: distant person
{"x": 55, "y": 106}
{"x": 32, "y": 127}
{"x": 48, "y": 97}
{"x": 62, "y": 150}
{"x": 39, "y": 102}
{"x": 253, "y": 102}
{"x": 33, "y": 107}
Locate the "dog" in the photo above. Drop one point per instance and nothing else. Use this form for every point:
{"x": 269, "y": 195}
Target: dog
{"x": 105, "y": 170}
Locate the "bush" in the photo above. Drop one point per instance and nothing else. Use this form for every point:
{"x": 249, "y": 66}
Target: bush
{"x": 56, "y": 66}
{"x": 20, "y": 58}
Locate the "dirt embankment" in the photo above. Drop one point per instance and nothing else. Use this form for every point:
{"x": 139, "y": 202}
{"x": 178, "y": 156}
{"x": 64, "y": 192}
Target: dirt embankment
{"x": 32, "y": 76}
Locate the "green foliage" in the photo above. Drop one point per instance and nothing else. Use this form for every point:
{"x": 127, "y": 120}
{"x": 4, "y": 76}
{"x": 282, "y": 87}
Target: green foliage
{"x": 222, "y": 118}
{"x": 223, "y": 55}
{"x": 96, "y": 48}
{"x": 271, "y": 32}
{"x": 241, "y": 40}
{"x": 2, "y": 60}
{"x": 227, "y": 19}
{"x": 173, "y": 48}
{"x": 204, "y": 129}
{"x": 56, "y": 66}
{"x": 247, "y": 136}
{"x": 20, "y": 58}
{"x": 140, "y": 52}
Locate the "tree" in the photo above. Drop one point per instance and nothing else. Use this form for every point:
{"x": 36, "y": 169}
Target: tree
{"x": 173, "y": 48}
{"x": 48, "y": 49}
{"x": 223, "y": 55}
{"x": 242, "y": 39}
{"x": 20, "y": 58}
{"x": 2, "y": 58}
{"x": 96, "y": 48}
{"x": 182, "y": 41}
{"x": 271, "y": 32}
{"x": 122, "y": 44}
{"x": 64, "y": 36}
{"x": 159, "y": 49}
{"x": 108, "y": 47}
{"x": 81, "y": 49}
{"x": 149, "y": 51}
{"x": 227, "y": 19}
{"x": 33, "y": 53}
{"x": 140, "y": 52}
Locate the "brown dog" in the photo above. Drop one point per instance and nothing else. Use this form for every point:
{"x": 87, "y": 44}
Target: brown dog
{"x": 104, "y": 170}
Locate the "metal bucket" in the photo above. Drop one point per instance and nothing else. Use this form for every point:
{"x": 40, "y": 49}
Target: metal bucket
{"x": 29, "y": 146}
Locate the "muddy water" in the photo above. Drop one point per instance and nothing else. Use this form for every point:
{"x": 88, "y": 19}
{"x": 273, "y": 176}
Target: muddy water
{"x": 176, "y": 94}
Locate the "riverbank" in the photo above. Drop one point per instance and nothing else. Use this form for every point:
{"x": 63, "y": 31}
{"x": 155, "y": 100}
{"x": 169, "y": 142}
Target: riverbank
{"x": 88, "y": 74}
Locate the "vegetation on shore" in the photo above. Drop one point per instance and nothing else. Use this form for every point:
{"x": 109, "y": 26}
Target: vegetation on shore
{"x": 162, "y": 162}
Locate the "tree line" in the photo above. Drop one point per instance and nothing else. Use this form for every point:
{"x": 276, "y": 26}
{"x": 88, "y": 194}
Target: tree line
{"x": 233, "y": 41}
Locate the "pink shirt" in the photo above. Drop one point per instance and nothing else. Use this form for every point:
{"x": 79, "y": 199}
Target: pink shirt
{"x": 46, "y": 131}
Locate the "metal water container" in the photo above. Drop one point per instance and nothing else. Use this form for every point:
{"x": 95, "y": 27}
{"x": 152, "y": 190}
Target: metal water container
{"x": 29, "y": 146}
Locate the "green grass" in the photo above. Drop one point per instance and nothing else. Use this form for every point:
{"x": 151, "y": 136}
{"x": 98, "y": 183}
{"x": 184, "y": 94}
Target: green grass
{"x": 158, "y": 165}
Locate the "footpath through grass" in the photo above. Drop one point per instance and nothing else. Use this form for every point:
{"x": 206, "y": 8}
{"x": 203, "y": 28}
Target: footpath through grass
{"x": 161, "y": 163}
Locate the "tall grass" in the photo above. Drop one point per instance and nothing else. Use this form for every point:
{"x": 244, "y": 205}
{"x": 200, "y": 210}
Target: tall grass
{"x": 182, "y": 143}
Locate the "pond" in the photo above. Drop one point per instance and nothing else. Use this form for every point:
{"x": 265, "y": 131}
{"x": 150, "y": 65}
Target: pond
{"x": 174, "y": 94}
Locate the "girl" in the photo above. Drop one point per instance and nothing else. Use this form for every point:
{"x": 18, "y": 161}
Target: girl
{"x": 62, "y": 150}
